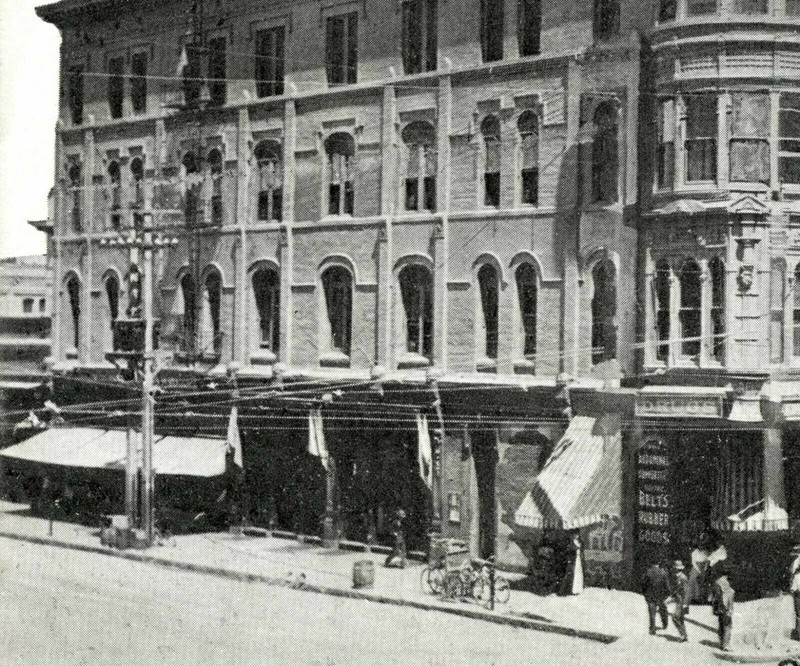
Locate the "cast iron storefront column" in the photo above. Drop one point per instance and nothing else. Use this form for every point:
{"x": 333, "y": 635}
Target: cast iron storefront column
{"x": 775, "y": 515}
{"x": 330, "y": 532}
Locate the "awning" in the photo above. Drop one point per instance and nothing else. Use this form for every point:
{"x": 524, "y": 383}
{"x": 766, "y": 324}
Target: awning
{"x": 581, "y": 482}
{"x": 92, "y": 448}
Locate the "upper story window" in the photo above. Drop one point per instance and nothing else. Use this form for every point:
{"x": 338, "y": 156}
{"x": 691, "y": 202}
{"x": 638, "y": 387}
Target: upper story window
{"x": 716, "y": 269}
{"x": 217, "y": 71}
{"x": 750, "y": 6}
{"x": 137, "y": 176}
{"x": 490, "y": 131}
{"x": 490, "y": 307}
{"x": 605, "y": 152}
{"x": 116, "y": 86}
{"x": 192, "y": 75}
{"x": 665, "y": 153}
{"x": 216, "y": 173}
{"x": 266, "y": 289}
{"x": 492, "y": 30}
{"x": 42, "y": 305}
{"x": 211, "y": 335}
{"x": 139, "y": 82}
{"x": 527, "y": 297}
{"x": 74, "y": 296}
{"x": 661, "y": 293}
{"x": 701, "y": 137}
{"x": 604, "y": 312}
{"x": 188, "y": 294}
{"x": 270, "y": 181}
{"x": 270, "y": 45}
{"x": 528, "y": 128}
{"x": 340, "y": 151}
{"x": 701, "y": 7}
{"x": 420, "y": 182}
{"x": 75, "y": 175}
{"x": 606, "y": 18}
{"x": 796, "y": 313}
{"x": 792, "y": 7}
{"x": 420, "y": 38}
{"x": 749, "y": 131}
{"x": 416, "y": 292}
{"x": 529, "y": 27}
{"x": 789, "y": 143}
{"x": 75, "y": 93}
{"x": 667, "y": 10}
{"x": 690, "y": 279}
{"x": 341, "y": 48}
{"x": 337, "y": 284}
{"x": 115, "y": 193}
{"x": 27, "y": 305}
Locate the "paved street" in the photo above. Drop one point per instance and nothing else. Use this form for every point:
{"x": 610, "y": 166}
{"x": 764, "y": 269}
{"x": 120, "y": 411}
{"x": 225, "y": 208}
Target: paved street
{"x": 67, "y": 607}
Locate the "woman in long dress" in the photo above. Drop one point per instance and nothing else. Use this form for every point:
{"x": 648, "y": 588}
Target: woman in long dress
{"x": 577, "y": 575}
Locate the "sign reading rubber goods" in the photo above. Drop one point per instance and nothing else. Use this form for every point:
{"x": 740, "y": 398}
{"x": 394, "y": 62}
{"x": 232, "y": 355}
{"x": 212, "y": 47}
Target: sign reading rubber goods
{"x": 679, "y": 405}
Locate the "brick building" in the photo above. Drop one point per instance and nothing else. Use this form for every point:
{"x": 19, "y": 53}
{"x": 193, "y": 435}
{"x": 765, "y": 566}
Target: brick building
{"x": 445, "y": 213}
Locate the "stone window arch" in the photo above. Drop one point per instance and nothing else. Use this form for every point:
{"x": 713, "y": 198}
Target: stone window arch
{"x": 492, "y": 154}
{"x": 489, "y": 301}
{"x": 528, "y": 129}
{"x": 269, "y": 162}
{"x": 340, "y": 150}
{"x": 266, "y": 282}
{"x": 419, "y": 138}
{"x": 690, "y": 313}
{"x": 416, "y": 298}
{"x": 605, "y": 154}
{"x": 604, "y": 311}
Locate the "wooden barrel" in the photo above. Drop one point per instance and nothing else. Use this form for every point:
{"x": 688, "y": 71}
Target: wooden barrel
{"x": 363, "y": 574}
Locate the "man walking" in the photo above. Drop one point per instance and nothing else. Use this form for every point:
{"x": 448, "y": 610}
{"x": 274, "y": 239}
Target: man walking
{"x": 794, "y": 588}
{"x": 681, "y": 596}
{"x": 722, "y": 604}
{"x": 655, "y": 588}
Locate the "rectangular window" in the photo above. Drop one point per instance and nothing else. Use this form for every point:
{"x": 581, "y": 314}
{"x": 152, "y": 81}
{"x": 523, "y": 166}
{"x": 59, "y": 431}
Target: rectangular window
{"x": 41, "y": 305}
{"x": 492, "y": 30}
{"x": 75, "y": 94}
{"x": 665, "y": 158}
{"x": 750, "y": 6}
{"x": 777, "y": 299}
{"x": 667, "y": 10}
{"x": 420, "y": 38}
{"x": 789, "y": 144}
{"x": 342, "y": 48}
{"x": 139, "y": 82}
{"x": 491, "y": 175}
{"x": 270, "y": 64}
{"x": 27, "y": 305}
{"x": 421, "y": 178}
{"x": 749, "y": 148}
{"x": 340, "y": 188}
{"x": 606, "y": 18}
{"x": 192, "y": 76}
{"x": 217, "y": 67}
{"x": 701, "y": 7}
{"x": 701, "y": 137}
{"x": 116, "y": 86}
{"x": 529, "y": 27}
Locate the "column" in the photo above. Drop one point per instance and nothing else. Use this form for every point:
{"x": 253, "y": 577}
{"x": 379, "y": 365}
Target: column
{"x": 674, "y": 319}
{"x": 58, "y": 226}
{"x": 287, "y": 244}
{"x": 705, "y": 312}
{"x": 773, "y": 488}
{"x": 383, "y": 342}
{"x": 243, "y": 207}
{"x": 440, "y": 234}
{"x": 680, "y": 152}
{"x": 774, "y": 130}
{"x": 723, "y": 170}
{"x": 85, "y": 350}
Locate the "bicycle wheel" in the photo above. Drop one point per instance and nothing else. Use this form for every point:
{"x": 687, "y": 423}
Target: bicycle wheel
{"x": 435, "y": 579}
{"x": 502, "y": 590}
{"x": 423, "y": 580}
{"x": 451, "y": 585}
{"x": 481, "y": 589}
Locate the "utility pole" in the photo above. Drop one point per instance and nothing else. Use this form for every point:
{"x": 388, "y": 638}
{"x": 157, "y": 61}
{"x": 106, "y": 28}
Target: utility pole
{"x": 148, "y": 378}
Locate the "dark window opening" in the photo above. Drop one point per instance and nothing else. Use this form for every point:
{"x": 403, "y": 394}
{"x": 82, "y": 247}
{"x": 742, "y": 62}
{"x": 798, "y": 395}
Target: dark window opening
{"x": 137, "y": 174}
{"x": 420, "y": 184}
{"x": 27, "y": 305}
{"x": 490, "y": 128}
{"x": 661, "y": 287}
{"x": 211, "y": 331}
{"x": 74, "y": 294}
{"x": 217, "y": 71}
{"x": 789, "y": 143}
{"x": 112, "y": 294}
{"x": 192, "y": 76}
{"x": 266, "y": 289}
{"x": 270, "y": 65}
{"x": 492, "y": 30}
{"x": 75, "y": 94}
{"x": 340, "y": 150}
{"x": 139, "y": 82}
{"x": 216, "y": 172}
{"x": 717, "y": 270}
{"x": 342, "y": 48}
{"x": 750, "y": 6}
{"x": 76, "y": 194}
{"x": 690, "y": 308}
{"x": 665, "y": 158}
{"x": 701, "y": 137}
{"x": 667, "y": 10}
{"x": 416, "y": 291}
{"x": 701, "y": 7}
{"x": 604, "y": 312}
{"x": 420, "y": 39}
{"x": 189, "y": 313}
{"x": 115, "y": 186}
{"x": 796, "y": 313}
{"x": 529, "y": 27}
{"x": 116, "y": 86}
{"x": 606, "y": 18}
{"x": 749, "y": 144}
{"x": 490, "y": 303}
{"x": 528, "y": 127}
{"x": 337, "y": 284}
{"x": 270, "y": 181}
{"x": 527, "y": 296}
{"x": 42, "y": 305}
{"x": 605, "y": 155}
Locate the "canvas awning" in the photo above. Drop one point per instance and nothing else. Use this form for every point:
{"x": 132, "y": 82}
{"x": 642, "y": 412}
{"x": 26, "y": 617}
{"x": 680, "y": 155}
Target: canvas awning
{"x": 93, "y": 448}
{"x": 581, "y": 482}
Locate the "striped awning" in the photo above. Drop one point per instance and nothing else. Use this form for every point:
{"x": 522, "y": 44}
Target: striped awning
{"x": 94, "y": 448}
{"x": 581, "y": 482}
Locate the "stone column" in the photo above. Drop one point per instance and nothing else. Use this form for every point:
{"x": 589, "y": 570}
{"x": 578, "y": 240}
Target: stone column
{"x": 85, "y": 348}
{"x": 773, "y": 488}
{"x": 383, "y": 328}
{"x": 440, "y": 234}
{"x": 287, "y": 245}
{"x": 243, "y": 207}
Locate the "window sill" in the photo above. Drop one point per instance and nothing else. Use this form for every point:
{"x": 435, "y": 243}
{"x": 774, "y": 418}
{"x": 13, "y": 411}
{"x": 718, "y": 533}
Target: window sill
{"x": 71, "y": 354}
{"x": 412, "y": 360}
{"x": 263, "y": 357}
{"x": 486, "y": 365}
{"x": 334, "y": 359}
{"x": 524, "y": 366}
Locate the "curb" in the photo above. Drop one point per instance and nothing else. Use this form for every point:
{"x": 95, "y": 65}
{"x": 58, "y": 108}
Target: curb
{"x": 506, "y": 620}
{"x": 752, "y": 658}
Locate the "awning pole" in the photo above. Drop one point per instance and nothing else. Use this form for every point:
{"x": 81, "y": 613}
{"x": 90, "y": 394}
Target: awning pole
{"x": 147, "y": 383}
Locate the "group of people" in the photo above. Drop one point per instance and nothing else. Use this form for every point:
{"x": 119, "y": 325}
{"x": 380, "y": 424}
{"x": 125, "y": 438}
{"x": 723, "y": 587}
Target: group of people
{"x": 662, "y": 588}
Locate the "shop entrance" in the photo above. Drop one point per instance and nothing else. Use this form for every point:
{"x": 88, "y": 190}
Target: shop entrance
{"x": 484, "y": 453}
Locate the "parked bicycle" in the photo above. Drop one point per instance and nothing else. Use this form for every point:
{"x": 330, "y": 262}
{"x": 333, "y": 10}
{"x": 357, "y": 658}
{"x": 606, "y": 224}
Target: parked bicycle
{"x": 475, "y": 581}
{"x": 433, "y": 576}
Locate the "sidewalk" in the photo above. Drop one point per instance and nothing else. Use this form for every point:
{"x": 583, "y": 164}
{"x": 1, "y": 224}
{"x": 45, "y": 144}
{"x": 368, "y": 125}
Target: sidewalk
{"x": 597, "y": 615}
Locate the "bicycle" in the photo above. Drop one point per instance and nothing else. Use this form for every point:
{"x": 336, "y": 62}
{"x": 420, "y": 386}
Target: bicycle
{"x": 474, "y": 581}
{"x": 433, "y": 576}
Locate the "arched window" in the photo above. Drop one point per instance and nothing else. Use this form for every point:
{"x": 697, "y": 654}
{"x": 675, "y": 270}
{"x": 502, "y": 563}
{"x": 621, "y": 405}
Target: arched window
{"x": 604, "y": 154}
{"x": 215, "y": 169}
{"x": 420, "y": 183}
{"x": 337, "y": 283}
{"x": 137, "y": 175}
{"x": 74, "y": 296}
{"x": 490, "y": 130}
{"x": 604, "y": 311}
{"x": 270, "y": 181}
{"x": 340, "y": 151}
{"x": 490, "y": 303}
{"x": 528, "y": 128}
{"x": 192, "y": 194}
{"x": 189, "y": 313}
{"x": 211, "y": 333}
{"x": 416, "y": 292}
{"x": 115, "y": 194}
{"x": 661, "y": 289}
{"x": 112, "y": 298}
{"x": 716, "y": 268}
{"x": 75, "y": 175}
{"x": 690, "y": 308}
{"x": 527, "y": 296}
{"x": 266, "y": 290}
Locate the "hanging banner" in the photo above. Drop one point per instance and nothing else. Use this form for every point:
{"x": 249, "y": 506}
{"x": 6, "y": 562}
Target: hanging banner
{"x": 652, "y": 494}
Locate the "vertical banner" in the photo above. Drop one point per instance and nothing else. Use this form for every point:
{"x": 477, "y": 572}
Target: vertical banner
{"x": 652, "y": 501}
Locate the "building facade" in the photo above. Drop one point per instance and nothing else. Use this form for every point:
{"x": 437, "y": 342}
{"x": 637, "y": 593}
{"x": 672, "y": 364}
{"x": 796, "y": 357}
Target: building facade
{"x": 450, "y": 217}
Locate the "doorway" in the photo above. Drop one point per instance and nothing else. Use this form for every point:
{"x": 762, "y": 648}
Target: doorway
{"x": 484, "y": 454}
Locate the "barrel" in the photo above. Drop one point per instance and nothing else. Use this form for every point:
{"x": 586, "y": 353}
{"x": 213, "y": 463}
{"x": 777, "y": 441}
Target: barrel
{"x": 363, "y": 574}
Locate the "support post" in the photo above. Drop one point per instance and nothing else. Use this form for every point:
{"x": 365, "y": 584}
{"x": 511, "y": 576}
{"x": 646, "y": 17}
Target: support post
{"x": 775, "y": 516}
{"x": 330, "y": 534}
{"x": 147, "y": 383}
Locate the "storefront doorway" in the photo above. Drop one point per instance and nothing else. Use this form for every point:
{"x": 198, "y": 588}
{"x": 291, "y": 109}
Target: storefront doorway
{"x": 484, "y": 453}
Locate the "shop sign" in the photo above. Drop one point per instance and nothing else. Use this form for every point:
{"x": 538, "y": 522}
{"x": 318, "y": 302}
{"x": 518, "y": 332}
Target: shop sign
{"x": 679, "y": 405}
{"x": 652, "y": 497}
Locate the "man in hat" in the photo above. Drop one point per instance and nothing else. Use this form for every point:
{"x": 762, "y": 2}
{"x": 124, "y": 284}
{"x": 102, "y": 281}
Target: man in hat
{"x": 722, "y": 604}
{"x": 679, "y": 586}
{"x": 794, "y": 588}
{"x": 655, "y": 588}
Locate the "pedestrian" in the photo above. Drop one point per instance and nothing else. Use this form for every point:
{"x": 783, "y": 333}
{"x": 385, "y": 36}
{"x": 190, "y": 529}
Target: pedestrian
{"x": 794, "y": 588}
{"x": 655, "y": 588}
{"x": 572, "y": 583}
{"x": 722, "y": 594}
{"x": 397, "y": 558}
{"x": 679, "y": 586}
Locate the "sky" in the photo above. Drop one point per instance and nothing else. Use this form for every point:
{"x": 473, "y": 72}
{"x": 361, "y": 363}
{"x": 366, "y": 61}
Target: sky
{"x": 28, "y": 110}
